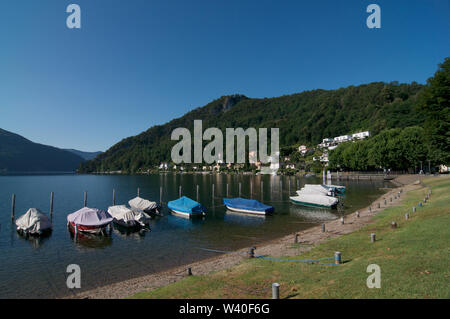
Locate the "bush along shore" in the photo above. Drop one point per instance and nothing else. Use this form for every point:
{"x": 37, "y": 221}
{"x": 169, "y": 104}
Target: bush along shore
{"x": 411, "y": 251}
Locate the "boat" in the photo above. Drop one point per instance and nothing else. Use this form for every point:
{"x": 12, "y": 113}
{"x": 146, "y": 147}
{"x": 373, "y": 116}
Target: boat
{"x": 248, "y": 206}
{"x": 316, "y": 189}
{"x": 34, "y": 222}
{"x": 127, "y": 217}
{"x": 314, "y": 200}
{"x": 186, "y": 207}
{"x": 340, "y": 190}
{"x": 144, "y": 205}
{"x": 89, "y": 220}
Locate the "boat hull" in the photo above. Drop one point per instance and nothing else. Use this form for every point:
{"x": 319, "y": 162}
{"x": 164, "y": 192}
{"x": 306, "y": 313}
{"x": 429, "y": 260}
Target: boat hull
{"x": 186, "y": 215}
{"x": 88, "y": 229}
{"x": 246, "y": 211}
{"x": 308, "y": 204}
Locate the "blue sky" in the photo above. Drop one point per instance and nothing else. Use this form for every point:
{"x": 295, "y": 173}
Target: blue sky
{"x": 138, "y": 63}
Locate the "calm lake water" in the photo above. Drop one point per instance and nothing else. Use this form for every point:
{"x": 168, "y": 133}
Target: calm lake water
{"x": 36, "y": 268}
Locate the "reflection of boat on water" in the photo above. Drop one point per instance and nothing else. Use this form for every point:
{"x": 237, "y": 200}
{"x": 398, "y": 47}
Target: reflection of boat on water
{"x": 130, "y": 232}
{"x": 247, "y": 206}
{"x": 312, "y": 214}
{"x": 174, "y": 220}
{"x": 36, "y": 241}
{"x": 243, "y": 218}
{"x": 89, "y": 240}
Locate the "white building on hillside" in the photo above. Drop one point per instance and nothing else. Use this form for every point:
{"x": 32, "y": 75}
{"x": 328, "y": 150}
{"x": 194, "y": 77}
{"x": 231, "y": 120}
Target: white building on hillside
{"x": 343, "y": 138}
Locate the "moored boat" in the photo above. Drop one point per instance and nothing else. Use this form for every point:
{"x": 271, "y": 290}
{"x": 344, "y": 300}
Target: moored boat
{"x": 186, "y": 207}
{"x": 144, "y": 205}
{"x": 340, "y": 190}
{"x": 127, "y": 217}
{"x": 248, "y": 206}
{"x": 89, "y": 220}
{"x": 34, "y": 222}
{"x": 315, "y": 200}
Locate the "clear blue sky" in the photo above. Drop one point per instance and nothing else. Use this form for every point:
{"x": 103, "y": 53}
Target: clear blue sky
{"x": 138, "y": 63}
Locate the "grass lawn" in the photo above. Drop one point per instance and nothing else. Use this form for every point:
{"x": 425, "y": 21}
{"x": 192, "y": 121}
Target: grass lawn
{"x": 414, "y": 260}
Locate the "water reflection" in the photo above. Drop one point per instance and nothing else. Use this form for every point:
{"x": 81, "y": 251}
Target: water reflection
{"x": 136, "y": 233}
{"x": 36, "y": 241}
{"x": 244, "y": 219}
{"x": 91, "y": 241}
{"x": 312, "y": 214}
{"x": 183, "y": 222}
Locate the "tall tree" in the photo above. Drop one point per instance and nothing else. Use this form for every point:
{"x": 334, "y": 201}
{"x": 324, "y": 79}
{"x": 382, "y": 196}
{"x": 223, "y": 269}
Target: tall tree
{"x": 434, "y": 106}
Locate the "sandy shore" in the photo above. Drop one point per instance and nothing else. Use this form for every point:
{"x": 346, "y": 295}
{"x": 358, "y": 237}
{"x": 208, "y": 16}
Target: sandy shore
{"x": 279, "y": 247}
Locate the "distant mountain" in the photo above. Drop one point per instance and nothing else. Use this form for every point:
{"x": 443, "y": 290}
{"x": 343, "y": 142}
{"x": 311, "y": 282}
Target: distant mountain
{"x": 87, "y": 156}
{"x": 303, "y": 118}
{"x": 17, "y": 154}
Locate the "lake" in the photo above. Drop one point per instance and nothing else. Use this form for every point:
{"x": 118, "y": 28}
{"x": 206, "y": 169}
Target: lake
{"x": 36, "y": 268}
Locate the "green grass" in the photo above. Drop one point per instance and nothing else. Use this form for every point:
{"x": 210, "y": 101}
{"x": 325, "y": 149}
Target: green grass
{"x": 414, "y": 261}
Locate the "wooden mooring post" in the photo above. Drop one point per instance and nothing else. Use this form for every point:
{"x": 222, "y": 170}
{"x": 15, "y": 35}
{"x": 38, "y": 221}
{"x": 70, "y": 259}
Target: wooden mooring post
{"x": 240, "y": 187}
{"x": 114, "y": 198}
{"x": 179, "y": 191}
{"x": 13, "y": 206}
{"x": 213, "y": 192}
{"x": 51, "y": 203}
{"x": 197, "y": 192}
{"x": 138, "y": 192}
{"x": 372, "y": 238}
{"x": 85, "y": 199}
{"x": 262, "y": 190}
{"x": 160, "y": 194}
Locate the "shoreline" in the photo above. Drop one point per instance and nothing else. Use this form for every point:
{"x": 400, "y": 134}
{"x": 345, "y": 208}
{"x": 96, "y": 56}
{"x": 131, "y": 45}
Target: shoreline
{"x": 283, "y": 246}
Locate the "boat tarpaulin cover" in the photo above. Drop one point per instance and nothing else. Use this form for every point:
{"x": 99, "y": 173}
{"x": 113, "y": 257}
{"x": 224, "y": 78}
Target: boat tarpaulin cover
{"x": 142, "y": 204}
{"x": 247, "y": 204}
{"x": 89, "y": 217}
{"x": 185, "y": 205}
{"x": 121, "y": 212}
{"x": 33, "y": 221}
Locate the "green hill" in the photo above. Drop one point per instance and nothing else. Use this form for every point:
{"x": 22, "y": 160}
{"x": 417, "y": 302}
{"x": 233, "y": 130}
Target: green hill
{"x": 17, "y": 154}
{"x": 304, "y": 118}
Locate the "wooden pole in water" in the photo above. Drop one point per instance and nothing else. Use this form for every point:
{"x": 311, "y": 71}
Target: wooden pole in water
{"x": 227, "y": 190}
{"x": 85, "y": 199}
{"x": 114, "y": 198}
{"x": 262, "y": 190}
{"x": 213, "y": 192}
{"x": 51, "y": 203}
{"x": 13, "y": 206}
{"x": 197, "y": 192}
{"x": 289, "y": 186}
{"x": 138, "y": 192}
{"x": 251, "y": 190}
{"x": 179, "y": 190}
{"x": 239, "y": 189}
{"x": 160, "y": 194}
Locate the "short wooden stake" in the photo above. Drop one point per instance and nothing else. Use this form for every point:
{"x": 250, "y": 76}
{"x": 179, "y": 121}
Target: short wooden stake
{"x": 414, "y": 209}
{"x": 251, "y": 252}
{"x": 189, "y": 271}
{"x": 385, "y": 202}
{"x": 296, "y": 239}
{"x": 323, "y": 228}
{"x": 342, "y": 220}
{"x": 372, "y": 237}
{"x": 275, "y": 290}
{"x": 337, "y": 258}
{"x": 393, "y": 225}
{"x": 406, "y": 216}
{"x": 357, "y": 213}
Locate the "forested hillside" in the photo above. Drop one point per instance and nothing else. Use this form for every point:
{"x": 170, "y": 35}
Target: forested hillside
{"x": 304, "y": 118}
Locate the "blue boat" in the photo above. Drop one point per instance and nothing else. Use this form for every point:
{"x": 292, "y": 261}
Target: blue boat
{"x": 249, "y": 206}
{"x": 186, "y": 207}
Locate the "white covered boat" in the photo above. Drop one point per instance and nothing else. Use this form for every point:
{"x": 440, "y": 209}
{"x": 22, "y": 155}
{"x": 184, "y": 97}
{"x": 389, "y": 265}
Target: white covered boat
{"x": 315, "y": 189}
{"x": 33, "y": 222}
{"x": 315, "y": 200}
{"x": 126, "y": 217}
{"x": 148, "y": 207}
